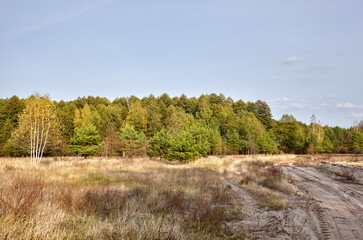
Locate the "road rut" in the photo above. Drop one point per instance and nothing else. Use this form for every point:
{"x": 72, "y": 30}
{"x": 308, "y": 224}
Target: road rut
{"x": 336, "y": 208}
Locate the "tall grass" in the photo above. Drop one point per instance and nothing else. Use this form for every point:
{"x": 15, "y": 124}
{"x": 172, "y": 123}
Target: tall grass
{"x": 114, "y": 199}
{"x": 19, "y": 196}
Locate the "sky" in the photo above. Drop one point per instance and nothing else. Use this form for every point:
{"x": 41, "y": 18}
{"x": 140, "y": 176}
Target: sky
{"x": 302, "y": 57}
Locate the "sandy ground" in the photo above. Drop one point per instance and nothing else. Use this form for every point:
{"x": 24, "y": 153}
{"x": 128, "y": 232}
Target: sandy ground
{"x": 290, "y": 223}
{"x": 336, "y": 206}
{"x": 326, "y": 204}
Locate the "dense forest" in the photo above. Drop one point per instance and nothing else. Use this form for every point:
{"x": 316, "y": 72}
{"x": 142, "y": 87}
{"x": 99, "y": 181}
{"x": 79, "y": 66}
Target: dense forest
{"x": 178, "y": 128}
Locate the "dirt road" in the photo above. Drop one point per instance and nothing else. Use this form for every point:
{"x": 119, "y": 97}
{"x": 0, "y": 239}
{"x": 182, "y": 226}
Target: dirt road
{"x": 334, "y": 208}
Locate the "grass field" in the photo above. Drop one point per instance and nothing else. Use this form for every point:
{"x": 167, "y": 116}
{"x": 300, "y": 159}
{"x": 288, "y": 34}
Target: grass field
{"x": 114, "y": 198}
{"x": 210, "y": 198}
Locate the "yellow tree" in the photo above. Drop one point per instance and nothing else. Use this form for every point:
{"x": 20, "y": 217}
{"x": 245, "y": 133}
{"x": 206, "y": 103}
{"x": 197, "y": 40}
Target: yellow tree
{"x": 86, "y": 115}
{"x": 137, "y": 117}
{"x": 37, "y": 127}
{"x": 83, "y": 117}
{"x": 77, "y": 121}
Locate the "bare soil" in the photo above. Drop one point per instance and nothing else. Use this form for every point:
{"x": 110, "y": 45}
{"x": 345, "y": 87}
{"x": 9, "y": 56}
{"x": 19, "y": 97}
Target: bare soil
{"x": 327, "y": 202}
{"x": 336, "y": 204}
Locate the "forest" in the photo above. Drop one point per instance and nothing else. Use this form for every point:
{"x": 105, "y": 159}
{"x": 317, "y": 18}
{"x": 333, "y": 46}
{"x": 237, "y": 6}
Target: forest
{"x": 173, "y": 128}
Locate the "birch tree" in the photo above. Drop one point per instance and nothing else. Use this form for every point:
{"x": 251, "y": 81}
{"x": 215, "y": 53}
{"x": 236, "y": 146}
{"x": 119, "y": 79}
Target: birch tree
{"x": 37, "y": 127}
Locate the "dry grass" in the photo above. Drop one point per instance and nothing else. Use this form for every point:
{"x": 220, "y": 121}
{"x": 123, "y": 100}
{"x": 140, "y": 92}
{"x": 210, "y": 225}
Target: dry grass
{"x": 19, "y": 195}
{"x": 267, "y": 182}
{"x": 114, "y": 199}
{"x": 75, "y": 198}
{"x": 345, "y": 174}
{"x": 265, "y": 174}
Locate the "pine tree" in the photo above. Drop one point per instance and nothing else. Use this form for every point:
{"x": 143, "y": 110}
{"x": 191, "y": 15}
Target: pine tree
{"x": 85, "y": 141}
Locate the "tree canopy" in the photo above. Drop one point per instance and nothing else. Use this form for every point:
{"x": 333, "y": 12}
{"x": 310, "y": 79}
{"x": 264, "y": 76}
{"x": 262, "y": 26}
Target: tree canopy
{"x": 175, "y": 128}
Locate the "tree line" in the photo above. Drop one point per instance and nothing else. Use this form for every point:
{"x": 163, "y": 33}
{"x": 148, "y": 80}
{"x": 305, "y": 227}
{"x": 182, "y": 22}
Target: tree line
{"x": 174, "y": 128}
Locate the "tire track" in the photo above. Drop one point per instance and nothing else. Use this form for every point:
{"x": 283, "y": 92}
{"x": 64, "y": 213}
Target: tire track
{"x": 323, "y": 222}
{"x": 337, "y": 213}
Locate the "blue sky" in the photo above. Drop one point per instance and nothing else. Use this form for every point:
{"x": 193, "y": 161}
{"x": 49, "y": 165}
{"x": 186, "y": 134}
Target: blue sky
{"x": 301, "y": 57}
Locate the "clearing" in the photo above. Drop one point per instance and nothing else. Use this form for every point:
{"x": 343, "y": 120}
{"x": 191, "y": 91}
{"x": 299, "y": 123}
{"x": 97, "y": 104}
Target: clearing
{"x": 233, "y": 197}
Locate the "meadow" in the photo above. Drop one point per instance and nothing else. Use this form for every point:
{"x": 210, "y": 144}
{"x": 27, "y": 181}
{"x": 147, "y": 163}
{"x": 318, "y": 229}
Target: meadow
{"x": 114, "y": 199}
{"x": 229, "y": 197}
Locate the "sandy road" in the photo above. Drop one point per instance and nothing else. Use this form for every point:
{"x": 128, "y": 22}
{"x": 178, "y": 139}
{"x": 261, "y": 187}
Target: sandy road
{"x": 334, "y": 209}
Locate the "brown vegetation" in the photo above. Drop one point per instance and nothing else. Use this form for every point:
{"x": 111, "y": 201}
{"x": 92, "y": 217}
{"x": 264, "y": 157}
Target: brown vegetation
{"x": 122, "y": 199}
{"x": 266, "y": 182}
{"x": 211, "y": 198}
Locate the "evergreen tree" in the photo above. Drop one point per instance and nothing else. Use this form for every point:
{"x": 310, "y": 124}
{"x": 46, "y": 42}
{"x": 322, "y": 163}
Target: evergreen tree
{"x": 266, "y": 144}
{"x": 327, "y": 146}
{"x": 184, "y": 147}
{"x": 133, "y": 143}
{"x": 85, "y": 141}
{"x": 160, "y": 143}
{"x": 356, "y": 142}
{"x": 234, "y": 143}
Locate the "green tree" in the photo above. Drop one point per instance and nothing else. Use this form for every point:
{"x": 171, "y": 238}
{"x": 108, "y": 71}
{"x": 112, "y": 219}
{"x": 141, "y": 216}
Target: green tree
{"x": 201, "y": 136}
{"x": 204, "y": 112}
{"x": 250, "y": 128}
{"x": 184, "y": 147}
{"x": 133, "y": 143}
{"x": 263, "y": 113}
{"x": 327, "y": 146}
{"x": 356, "y": 142}
{"x": 302, "y": 143}
{"x": 5, "y": 134}
{"x": 65, "y": 116}
{"x": 160, "y": 143}
{"x": 112, "y": 118}
{"x": 234, "y": 143}
{"x": 266, "y": 144}
{"x": 154, "y": 121}
{"x": 11, "y": 109}
{"x": 215, "y": 141}
{"x": 287, "y": 130}
{"x": 313, "y": 143}
{"x": 177, "y": 119}
{"x": 85, "y": 141}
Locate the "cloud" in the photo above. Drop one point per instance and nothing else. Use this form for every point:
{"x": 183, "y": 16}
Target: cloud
{"x": 349, "y": 106}
{"x": 290, "y": 60}
{"x": 358, "y": 115}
